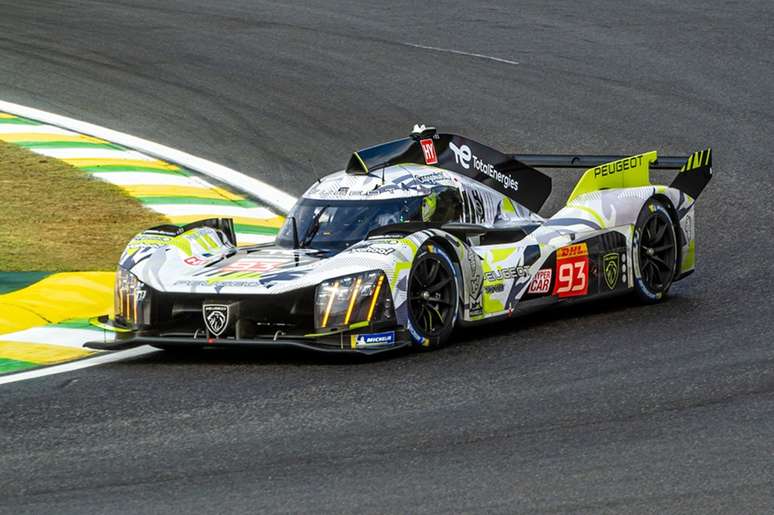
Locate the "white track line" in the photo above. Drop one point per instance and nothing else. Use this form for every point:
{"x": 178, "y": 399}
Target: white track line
{"x": 34, "y": 129}
{"x": 91, "y": 153}
{"x": 63, "y": 336}
{"x": 150, "y": 179}
{"x": 270, "y": 195}
{"x": 78, "y": 365}
{"x": 172, "y": 210}
{"x": 267, "y": 194}
{"x": 460, "y": 52}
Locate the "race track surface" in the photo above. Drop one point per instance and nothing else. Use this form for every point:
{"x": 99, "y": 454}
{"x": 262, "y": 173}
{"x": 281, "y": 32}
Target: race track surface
{"x": 609, "y": 407}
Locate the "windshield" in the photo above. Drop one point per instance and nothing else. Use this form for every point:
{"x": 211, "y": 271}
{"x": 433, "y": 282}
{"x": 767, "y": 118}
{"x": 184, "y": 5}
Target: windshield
{"x": 333, "y": 225}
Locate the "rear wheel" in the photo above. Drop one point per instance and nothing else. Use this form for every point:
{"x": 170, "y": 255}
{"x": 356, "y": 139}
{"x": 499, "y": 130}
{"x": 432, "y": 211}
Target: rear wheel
{"x": 655, "y": 252}
{"x": 433, "y": 298}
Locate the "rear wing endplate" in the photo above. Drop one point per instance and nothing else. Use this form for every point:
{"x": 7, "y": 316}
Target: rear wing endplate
{"x": 695, "y": 169}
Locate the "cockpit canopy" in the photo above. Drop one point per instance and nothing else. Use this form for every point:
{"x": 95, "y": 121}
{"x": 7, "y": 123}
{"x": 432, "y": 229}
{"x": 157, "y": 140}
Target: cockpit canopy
{"x": 332, "y": 225}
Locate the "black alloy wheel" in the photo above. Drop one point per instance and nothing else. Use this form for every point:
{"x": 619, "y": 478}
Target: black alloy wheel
{"x": 656, "y": 251}
{"x": 432, "y": 297}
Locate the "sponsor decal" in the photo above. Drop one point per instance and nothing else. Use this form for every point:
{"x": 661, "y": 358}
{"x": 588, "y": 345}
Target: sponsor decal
{"x": 194, "y": 261}
{"x": 542, "y": 281}
{"x": 219, "y": 284}
{"x": 418, "y": 338}
{"x": 476, "y": 279}
{"x": 579, "y": 249}
{"x": 572, "y": 271}
{"x": 432, "y": 178}
{"x": 384, "y": 251}
{"x": 215, "y": 318}
{"x": 253, "y": 264}
{"x": 611, "y": 265}
{"x": 428, "y": 149}
{"x": 510, "y": 272}
{"x": 494, "y": 288}
{"x": 373, "y": 340}
{"x": 463, "y": 157}
{"x": 617, "y": 166}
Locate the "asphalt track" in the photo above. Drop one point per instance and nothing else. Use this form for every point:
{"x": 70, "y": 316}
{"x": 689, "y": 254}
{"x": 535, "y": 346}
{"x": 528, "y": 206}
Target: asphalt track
{"x": 608, "y": 407}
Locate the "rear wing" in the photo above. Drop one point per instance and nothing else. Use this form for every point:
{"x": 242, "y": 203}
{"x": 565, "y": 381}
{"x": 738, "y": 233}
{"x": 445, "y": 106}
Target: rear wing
{"x": 695, "y": 169}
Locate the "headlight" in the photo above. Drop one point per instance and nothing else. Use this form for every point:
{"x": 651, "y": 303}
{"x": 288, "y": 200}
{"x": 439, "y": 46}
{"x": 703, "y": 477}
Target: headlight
{"x": 350, "y": 299}
{"x": 131, "y": 300}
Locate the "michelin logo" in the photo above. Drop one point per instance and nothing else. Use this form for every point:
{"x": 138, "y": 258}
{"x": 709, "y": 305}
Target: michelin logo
{"x": 369, "y": 341}
{"x": 463, "y": 155}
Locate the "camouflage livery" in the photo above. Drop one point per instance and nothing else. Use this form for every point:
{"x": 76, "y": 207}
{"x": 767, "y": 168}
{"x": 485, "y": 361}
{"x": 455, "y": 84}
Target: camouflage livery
{"x": 506, "y": 259}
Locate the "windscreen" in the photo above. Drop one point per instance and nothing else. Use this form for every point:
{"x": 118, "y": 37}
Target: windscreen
{"x": 333, "y": 225}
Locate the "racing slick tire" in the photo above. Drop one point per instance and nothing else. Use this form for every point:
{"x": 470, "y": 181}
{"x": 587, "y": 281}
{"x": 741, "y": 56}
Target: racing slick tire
{"x": 433, "y": 297}
{"x": 655, "y": 252}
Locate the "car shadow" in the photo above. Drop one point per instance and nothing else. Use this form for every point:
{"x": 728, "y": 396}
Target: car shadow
{"x": 463, "y": 339}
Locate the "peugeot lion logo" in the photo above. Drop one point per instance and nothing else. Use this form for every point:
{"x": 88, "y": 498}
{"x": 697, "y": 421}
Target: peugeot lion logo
{"x": 215, "y": 318}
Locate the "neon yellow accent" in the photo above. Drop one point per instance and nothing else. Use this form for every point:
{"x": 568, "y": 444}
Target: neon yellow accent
{"x": 697, "y": 160}
{"x": 183, "y": 244}
{"x": 275, "y": 222}
{"x": 492, "y": 305}
{"x": 94, "y": 161}
{"x": 689, "y": 261}
{"x": 6, "y": 115}
{"x": 410, "y": 244}
{"x": 507, "y": 206}
{"x": 502, "y": 254}
{"x": 586, "y": 209}
{"x": 330, "y": 303}
{"x": 429, "y": 205}
{"x": 352, "y": 341}
{"x": 355, "y": 291}
{"x": 209, "y": 243}
{"x": 57, "y": 297}
{"x": 108, "y": 326}
{"x": 358, "y": 325}
{"x": 399, "y": 267}
{"x": 36, "y": 137}
{"x": 40, "y": 353}
{"x": 661, "y": 189}
{"x": 629, "y": 172}
{"x": 362, "y": 163}
{"x": 375, "y": 296}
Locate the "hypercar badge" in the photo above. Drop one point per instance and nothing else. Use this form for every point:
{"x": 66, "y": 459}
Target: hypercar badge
{"x": 216, "y": 318}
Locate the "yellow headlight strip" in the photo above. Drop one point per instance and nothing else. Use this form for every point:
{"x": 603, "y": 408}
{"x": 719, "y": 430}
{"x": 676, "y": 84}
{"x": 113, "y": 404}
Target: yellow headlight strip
{"x": 330, "y": 303}
{"x": 375, "y": 296}
{"x": 352, "y": 298}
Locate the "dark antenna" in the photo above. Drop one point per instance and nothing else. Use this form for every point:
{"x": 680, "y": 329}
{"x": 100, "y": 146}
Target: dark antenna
{"x": 314, "y": 171}
{"x": 295, "y": 231}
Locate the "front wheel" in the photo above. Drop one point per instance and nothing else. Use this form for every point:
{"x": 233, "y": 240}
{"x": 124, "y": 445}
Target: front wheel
{"x": 433, "y": 298}
{"x": 655, "y": 252}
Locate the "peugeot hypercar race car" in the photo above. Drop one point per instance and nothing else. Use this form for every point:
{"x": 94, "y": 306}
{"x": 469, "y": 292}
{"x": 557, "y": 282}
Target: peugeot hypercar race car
{"x": 415, "y": 236}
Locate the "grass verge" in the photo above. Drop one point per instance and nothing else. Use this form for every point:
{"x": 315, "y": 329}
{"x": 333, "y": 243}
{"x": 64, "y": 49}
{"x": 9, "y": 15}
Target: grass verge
{"x": 56, "y": 218}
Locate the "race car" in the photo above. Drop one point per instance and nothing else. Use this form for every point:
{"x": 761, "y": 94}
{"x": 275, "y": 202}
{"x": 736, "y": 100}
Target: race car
{"x": 415, "y": 237}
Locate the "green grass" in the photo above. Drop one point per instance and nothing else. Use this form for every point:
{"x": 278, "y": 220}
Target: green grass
{"x": 57, "y": 218}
